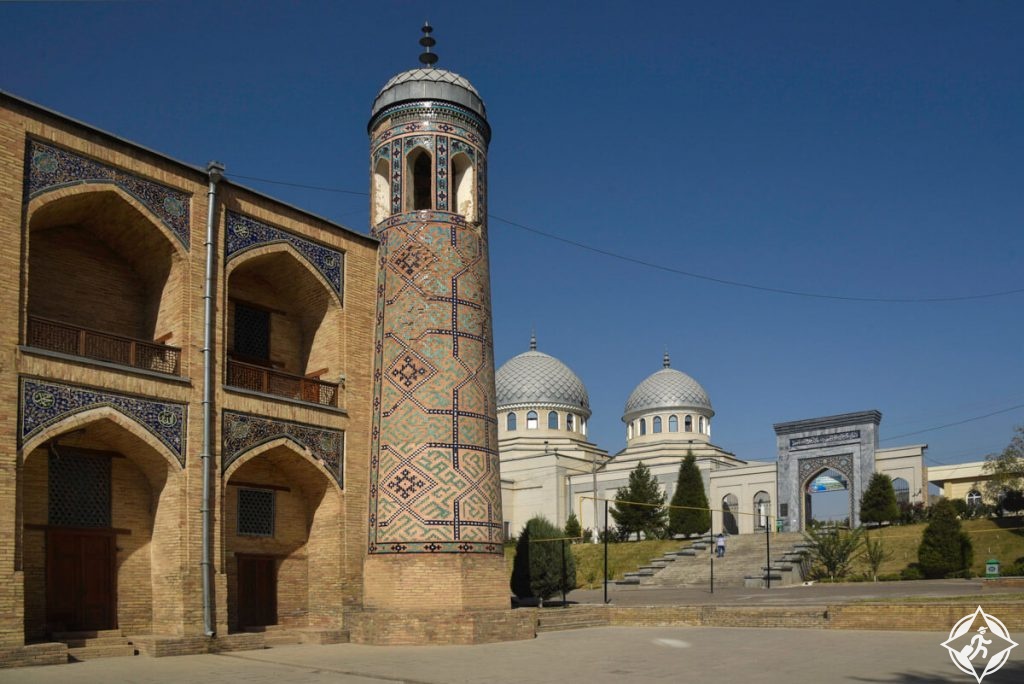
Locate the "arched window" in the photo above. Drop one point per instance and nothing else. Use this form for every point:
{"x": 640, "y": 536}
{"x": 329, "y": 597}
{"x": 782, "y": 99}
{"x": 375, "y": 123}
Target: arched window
{"x": 688, "y": 424}
{"x": 730, "y": 509}
{"x": 531, "y": 420}
{"x": 701, "y": 423}
{"x": 762, "y": 510}
{"x": 973, "y": 498}
{"x": 510, "y": 422}
{"x": 657, "y": 424}
{"x": 902, "y": 490}
{"x": 381, "y": 191}
{"x": 643, "y": 426}
{"x": 462, "y": 187}
{"x": 673, "y": 424}
{"x": 568, "y": 421}
{"x": 552, "y": 420}
{"x": 419, "y": 182}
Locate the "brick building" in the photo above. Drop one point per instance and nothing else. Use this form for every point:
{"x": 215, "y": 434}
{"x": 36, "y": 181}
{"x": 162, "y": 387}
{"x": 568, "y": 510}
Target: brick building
{"x": 140, "y": 294}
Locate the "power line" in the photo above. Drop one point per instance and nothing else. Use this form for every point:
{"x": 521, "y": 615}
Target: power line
{"x": 959, "y": 422}
{"x": 679, "y": 271}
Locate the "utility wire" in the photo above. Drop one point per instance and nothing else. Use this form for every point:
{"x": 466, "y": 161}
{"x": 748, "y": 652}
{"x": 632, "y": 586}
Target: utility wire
{"x": 959, "y": 422}
{"x": 678, "y": 271}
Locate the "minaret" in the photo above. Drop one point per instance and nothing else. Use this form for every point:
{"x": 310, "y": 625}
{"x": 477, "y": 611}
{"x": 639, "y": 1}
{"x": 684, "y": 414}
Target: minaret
{"x": 435, "y": 523}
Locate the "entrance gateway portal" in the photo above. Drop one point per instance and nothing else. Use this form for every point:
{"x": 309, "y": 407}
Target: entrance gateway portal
{"x": 841, "y": 447}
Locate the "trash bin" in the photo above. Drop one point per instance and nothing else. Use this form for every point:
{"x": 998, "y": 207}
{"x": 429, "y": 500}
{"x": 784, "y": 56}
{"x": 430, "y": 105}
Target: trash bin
{"x": 780, "y": 525}
{"x": 991, "y": 568}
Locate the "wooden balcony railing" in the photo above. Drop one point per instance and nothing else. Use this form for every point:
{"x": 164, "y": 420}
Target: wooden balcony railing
{"x": 270, "y": 381}
{"x": 102, "y": 346}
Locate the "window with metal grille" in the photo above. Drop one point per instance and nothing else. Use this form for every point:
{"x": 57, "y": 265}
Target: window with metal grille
{"x": 252, "y": 333}
{"x": 256, "y": 512}
{"x": 79, "y": 489}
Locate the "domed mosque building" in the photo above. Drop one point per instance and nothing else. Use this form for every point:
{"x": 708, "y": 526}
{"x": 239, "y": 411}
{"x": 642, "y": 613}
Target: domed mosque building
{"x": 543, "y": 409}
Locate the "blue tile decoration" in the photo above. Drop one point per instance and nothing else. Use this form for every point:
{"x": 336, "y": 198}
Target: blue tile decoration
{"x": 441, "y": 173}
{"x": 44, "y": 403}
{"x": 50, "y": 168}
{"x": 441, "y": 117}
{"x": 243, "y": 431}
{"x": 245, "y": 233}
{"x": 396, "y": 176}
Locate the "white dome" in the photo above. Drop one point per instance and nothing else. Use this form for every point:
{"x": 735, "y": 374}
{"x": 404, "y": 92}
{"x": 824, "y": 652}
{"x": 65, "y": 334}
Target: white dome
{"x": 667, "y": 389}
{"x": 537, "y": 379}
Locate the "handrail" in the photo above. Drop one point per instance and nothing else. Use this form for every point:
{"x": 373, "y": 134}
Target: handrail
{"x": 78, "y": 340}
{"x": 269, "y": 381}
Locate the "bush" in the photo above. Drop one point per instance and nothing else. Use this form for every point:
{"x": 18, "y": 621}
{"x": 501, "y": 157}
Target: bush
{"x": 945, "y": 549}
{"x": 537, "y": 571}
{"x": 878, "y": 503}
{"x": 834, "y": 550}
{"x": 911, "y": 572}
{"x": 572, "y": 527}
{"x": 911, "y": 513}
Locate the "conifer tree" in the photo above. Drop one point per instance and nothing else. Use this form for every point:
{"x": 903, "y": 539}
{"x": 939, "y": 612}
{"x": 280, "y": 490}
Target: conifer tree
{"x": 645, "y": 510}
{"x": 537, "y": 571}
{"x": 878, "y": 503}
{"x": 945, "y": 548}
{"x": 572, "y": 527}
{"x": 694, "y": 517}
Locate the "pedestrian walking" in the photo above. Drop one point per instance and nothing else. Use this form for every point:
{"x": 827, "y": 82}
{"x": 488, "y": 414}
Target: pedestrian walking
{"x": 720, "y": 545}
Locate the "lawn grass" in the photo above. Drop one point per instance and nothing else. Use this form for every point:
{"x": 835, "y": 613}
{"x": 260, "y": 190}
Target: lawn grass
{"x": 622, "y": 558}
{"x": 1002, "y": 539}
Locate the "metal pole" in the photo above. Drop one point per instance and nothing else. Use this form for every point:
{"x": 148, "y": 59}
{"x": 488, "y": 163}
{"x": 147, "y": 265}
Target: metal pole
{"x": 593, "y": 491}
{"x": 606, "y": 550}
{"x": 711, "y": 555}
{"x": 767, "y": 551}
{"x": 564, "y": 604}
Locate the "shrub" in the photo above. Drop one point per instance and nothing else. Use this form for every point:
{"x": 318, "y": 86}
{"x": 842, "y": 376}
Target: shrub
{"x": 537, "y": 571}
{"x": 572, "y": 527}
{"x": 945, "y": 549}
{"x": 911, "y": 572}
{"x": 834, "y": 550}
{"x": 878, "y": 503}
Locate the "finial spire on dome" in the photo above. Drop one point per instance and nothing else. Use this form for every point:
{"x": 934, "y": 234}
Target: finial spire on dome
{"x": 427, "y": 41}
{"x": 665, "y": 362}
{"x": 533, "y": 340}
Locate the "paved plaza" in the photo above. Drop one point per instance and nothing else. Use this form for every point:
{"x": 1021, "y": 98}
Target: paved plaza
{"x": 612, "y": 654}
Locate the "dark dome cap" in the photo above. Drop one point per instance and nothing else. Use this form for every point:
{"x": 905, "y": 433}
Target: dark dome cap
{"x": 428, "y": 83}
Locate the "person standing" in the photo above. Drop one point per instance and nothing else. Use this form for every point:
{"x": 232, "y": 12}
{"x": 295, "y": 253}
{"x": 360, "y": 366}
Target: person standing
{"x": 720, "y": 545}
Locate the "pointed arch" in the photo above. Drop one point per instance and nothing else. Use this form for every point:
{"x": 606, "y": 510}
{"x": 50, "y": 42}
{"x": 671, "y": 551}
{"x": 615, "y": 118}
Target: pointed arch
{"x": 463, "y": 186}
{"x": 288, "y": 443}
{"x": 419, "y": 179}
{"x": 381, "y": 197}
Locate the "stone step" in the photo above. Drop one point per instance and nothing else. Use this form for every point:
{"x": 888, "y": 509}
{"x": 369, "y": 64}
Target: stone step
{"x": 281, "y": 638}
{"x": 93, "y": 652}
{"x": 75, "y": 642}
{"x": 628, "y": 580}
{"x": 93, "y": 634}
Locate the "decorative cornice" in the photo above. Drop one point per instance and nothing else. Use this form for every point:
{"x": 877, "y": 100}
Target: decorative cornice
{"x": 827, "y": 422}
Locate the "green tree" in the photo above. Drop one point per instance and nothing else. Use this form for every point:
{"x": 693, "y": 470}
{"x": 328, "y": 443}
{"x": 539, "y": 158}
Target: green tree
{"x": 572, "y": 527}
{"x": 834, "y": 549}
{"x": 693, "y": 516}
{"x": 878, "y": 503}
{"x": 539, "y": 565}
{"x": 875, "y": 553}
{"x": 945, "y": 548}
{"x": 645, "y": 510}
{"x": 1006, "y": 470}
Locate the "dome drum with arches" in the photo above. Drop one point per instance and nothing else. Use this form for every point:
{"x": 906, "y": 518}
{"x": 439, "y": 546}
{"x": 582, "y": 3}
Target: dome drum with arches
{"x": 667, "y": 389}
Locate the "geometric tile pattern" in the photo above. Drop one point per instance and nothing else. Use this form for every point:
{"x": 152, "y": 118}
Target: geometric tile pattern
{"x": 244, "y": 233}
{"x": 78, "y": 484}
{"x": 842, "y": 463}
{"x": 434, "y": 479}
{"x": 243, "y": 431}
{"x": 51, "y": 167}
{"x": 44, "y": 403}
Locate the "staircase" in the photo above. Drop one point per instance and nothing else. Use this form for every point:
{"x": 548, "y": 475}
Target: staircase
{"x": 108, "y": 643}
{"x": 743, "y": 564}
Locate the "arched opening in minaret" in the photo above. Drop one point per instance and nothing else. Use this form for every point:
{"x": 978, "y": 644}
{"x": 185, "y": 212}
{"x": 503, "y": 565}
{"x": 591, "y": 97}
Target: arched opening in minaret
{"x": 462, "y": 187}
{"x": 381, "y": 191}
{"x": 420, "y": 167}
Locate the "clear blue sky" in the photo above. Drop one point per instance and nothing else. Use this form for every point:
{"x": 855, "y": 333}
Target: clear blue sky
{"x": 863, "y": 149}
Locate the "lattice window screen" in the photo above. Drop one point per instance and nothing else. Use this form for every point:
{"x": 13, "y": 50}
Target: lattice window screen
{"x": 79, "y": 489}
{"x": 252, "y": 332}
{"x": 256, "y": 512}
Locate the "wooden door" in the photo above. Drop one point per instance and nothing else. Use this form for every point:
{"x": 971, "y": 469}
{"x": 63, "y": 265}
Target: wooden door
{"x": 257, "y": 591}
{"x": 80, "y": 589}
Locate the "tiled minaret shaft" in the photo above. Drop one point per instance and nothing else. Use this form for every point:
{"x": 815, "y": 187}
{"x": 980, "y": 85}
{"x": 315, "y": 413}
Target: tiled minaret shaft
{"x": 435, "y": 523}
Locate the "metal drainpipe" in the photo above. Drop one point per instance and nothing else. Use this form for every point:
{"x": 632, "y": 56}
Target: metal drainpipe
{"x": 216, "y": 171}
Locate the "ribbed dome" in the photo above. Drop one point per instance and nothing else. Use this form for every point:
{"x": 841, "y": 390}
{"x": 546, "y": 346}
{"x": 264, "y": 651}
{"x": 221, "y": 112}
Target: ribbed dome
{"x": 429, "y": 84}
{"x": 667, "y": 389}
{"x": 534, "y": 378}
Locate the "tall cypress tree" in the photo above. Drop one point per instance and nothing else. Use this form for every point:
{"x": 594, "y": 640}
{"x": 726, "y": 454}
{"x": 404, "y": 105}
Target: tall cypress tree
{"x": 945, "y": 548}
{"x": 640, "y": 506}
{"x": 537, "y": 570}
{"x": 878, "y": 503}
{"x": 694, "y": 515}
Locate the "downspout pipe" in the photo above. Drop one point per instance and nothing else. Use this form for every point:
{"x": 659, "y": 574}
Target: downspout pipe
{"x": 215, "y": 171}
